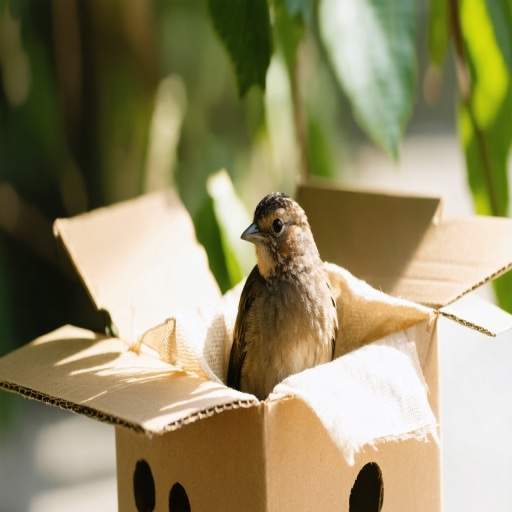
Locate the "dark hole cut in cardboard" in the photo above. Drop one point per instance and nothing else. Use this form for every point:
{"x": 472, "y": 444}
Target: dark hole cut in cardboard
{"x": 178, "y": 499}
{"x": 144, "y": 487}
{"x": 367, "y": 495}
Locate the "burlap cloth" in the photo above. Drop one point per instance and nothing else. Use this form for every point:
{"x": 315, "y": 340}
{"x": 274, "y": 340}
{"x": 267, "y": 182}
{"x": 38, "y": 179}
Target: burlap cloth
{"x": 374, "y": 390}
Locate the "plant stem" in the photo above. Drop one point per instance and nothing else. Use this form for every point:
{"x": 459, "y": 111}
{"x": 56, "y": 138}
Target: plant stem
{"x": 487, "y": 165}
{"x": 299, "y": 118}
{"x": 463, "y": 78}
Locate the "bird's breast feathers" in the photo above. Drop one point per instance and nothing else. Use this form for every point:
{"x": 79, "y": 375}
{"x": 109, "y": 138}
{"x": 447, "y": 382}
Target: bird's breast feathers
{"x": 287, "y": 331}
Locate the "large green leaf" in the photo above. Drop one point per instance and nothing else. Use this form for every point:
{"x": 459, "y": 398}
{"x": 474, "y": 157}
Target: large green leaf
{"x": 290, "y": 29}
{"x": 438, "y": 31}
{"x": 371, "y": 44}
{"x": 208, "y": 235}
{"x": 492, "y": 145}
{"x": 244, "y": 28}
{"x": 232, "y": 219}
{"x": 500, "y": 12}
{"x": 486, "y": 130}
{"x": 489, "y": 76}
{"x": 503, "y": 289}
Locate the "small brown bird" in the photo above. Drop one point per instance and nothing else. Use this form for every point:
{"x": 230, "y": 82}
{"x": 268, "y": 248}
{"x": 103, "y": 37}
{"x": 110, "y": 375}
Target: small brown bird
{"x": 287, "y": 319}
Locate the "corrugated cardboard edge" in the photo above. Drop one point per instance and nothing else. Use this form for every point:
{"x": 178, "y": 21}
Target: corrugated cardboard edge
{"x": 488, "y": 279}
{"x": 114, "y": 420}
{"x": 467, "y": 323}
{"x": 418, "y": 270}
{"x": 479, "y": 314}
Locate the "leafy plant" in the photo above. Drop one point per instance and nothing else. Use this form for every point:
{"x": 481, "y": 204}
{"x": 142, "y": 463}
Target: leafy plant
{"x": 371, "y": 47}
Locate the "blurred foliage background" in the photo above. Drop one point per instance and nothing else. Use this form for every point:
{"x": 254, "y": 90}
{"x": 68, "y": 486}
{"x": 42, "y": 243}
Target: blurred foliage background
{"x": 226, "y": 100}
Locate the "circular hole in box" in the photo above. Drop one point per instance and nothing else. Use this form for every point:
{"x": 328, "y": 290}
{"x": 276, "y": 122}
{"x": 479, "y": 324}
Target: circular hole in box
{"x": 178, "y": 499}
{"x": 144, "y": 487}
{"x": 367, "y": 494}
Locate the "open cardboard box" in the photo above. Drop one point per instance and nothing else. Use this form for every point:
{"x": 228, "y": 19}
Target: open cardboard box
{"x": 140, "y": 261}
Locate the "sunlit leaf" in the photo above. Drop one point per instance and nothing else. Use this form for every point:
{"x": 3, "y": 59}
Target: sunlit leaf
{"x": 208, "y": 235}
{"x": 487, "y": 134}
{"x": 290, "y": 29}
{"x": 244, "y": 28}
{"x": 371, "y": 44}
{"x": 496, "y": 140}
{"x": 302, "y": 7}
{"x": 503, "y": 289}
{"x": 500, "y": 12}
{"x": 489, "y": 76}
{"x": 232, "y": 219}
{"x": 438, "y": 31}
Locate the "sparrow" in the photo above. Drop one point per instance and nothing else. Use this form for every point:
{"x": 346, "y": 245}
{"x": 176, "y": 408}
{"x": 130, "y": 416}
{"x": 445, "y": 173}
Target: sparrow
{"x": 287, "y": 318}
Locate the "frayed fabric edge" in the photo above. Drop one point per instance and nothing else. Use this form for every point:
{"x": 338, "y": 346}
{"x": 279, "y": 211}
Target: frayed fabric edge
{"x": 421, "y": 434}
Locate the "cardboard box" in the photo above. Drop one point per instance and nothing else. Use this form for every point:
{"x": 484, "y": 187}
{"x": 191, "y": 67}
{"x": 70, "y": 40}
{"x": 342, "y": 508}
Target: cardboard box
{"x": 187, "y": 443}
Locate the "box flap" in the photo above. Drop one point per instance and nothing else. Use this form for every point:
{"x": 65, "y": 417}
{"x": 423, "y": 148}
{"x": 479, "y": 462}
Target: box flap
{"x": 402, "y": 245}
{"x": 479, "y": 314}
{"x": 99, "y": 377}
{"x": 139, "y": 260}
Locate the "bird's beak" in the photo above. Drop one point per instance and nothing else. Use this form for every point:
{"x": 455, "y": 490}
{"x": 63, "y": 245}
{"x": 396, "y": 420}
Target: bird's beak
{"x": 252, "y": 234}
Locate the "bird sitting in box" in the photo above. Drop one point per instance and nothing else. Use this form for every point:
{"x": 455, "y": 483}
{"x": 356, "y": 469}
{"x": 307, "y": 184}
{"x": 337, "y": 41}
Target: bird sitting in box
{"x": 287, "y": 319}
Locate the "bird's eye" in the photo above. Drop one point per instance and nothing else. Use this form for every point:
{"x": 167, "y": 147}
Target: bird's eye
{"x": 277, "y": 225}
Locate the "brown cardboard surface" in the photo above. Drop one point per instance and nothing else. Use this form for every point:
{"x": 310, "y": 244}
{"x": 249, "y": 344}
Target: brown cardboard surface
{"x": 98, "y": 376}
{"x": 273, "y": 456}
{"x": 479, "y": 314}
{"x": 220, "y": 462}
{"x": 139, "y": 260}
{"x": 305, "y": 471}
{"x": 402, "y": 246}
{"x": 277, "y": 457}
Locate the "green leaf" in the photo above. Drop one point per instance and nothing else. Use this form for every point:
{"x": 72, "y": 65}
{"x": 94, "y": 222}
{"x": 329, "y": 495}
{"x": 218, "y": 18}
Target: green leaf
{"x": 302, "y": 7}
{"x": 489, "y": 76}
{"x": 290, "y": 29}
{"x": 497, "y": 139}
{"x": 208, "y": 235}
{"x": 232, "y": 220}
{"x": 491, "y": 103}
{"x": 244, "y": 28}
{"x": 371, "y": 44}
{"x": 503, "y": 289}
{"x": 500, "y": 12}
{"x": 438, "y": 31}
{"x": 487, "y": 134}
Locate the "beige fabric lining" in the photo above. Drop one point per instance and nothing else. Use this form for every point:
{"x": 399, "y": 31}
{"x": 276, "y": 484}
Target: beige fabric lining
{"x": 382, "y": 344}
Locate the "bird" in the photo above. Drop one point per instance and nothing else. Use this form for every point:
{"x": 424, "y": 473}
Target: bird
{"x": 287, "y": 319}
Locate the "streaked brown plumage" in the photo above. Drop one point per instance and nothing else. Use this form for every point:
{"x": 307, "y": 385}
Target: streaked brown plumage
{"x": 286, "y": 318}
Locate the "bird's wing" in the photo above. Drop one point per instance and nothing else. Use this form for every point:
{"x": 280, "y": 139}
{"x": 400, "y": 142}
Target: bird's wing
{"x": 335, "y": 318}
{"x": 239, "y": 347}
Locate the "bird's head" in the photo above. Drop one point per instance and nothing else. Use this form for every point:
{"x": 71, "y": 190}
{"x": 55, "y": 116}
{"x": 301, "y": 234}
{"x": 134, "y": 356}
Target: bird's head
{"x": 282, "y": 236}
